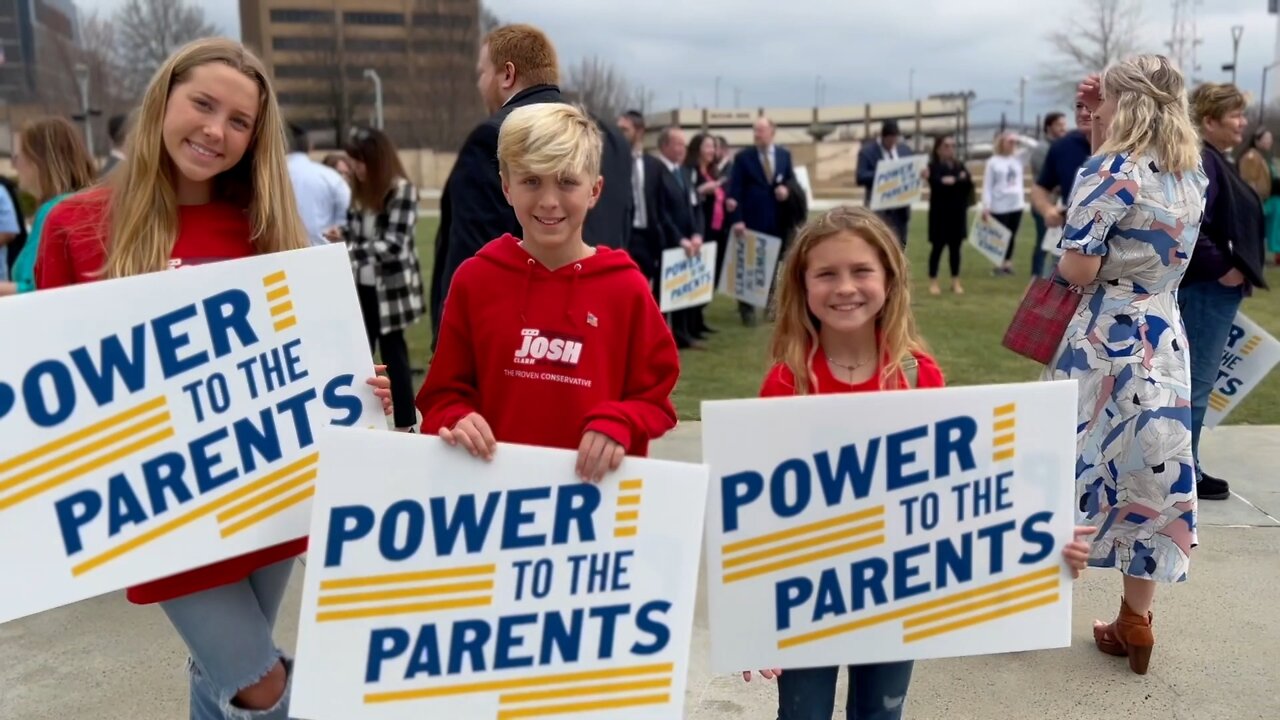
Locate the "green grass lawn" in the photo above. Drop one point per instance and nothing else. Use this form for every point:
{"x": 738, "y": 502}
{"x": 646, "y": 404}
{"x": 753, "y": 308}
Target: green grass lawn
{"x": 963, "y": 332}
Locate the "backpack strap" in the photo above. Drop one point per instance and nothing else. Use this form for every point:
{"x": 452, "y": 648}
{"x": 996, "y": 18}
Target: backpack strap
{"x": 911, "y": 368}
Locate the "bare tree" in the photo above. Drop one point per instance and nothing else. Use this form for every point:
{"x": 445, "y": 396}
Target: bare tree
{"x": 1100, "y": 33}
{"x": 599, "y": 87}
{"x": 98, "y": 47}
{"x": 148, "y": 31}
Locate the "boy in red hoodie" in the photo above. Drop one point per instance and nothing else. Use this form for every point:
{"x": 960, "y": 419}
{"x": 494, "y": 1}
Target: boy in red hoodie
{"x": 547, "y": 340}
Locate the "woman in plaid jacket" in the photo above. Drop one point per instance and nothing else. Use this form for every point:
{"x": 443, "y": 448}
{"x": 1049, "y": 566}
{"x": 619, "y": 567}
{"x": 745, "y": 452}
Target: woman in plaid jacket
{"x": 384, "y": 258}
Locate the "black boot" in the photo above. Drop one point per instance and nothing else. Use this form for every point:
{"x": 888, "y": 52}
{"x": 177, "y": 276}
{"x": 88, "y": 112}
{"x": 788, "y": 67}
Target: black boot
{"x": 1212, "y": 488}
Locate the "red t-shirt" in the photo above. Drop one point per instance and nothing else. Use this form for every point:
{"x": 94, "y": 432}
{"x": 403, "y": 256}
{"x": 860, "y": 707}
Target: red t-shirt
{"x": 781, "y": 383}
{"x": 73, "y": 250}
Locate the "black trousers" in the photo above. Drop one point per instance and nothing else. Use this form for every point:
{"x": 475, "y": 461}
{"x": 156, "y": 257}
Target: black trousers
{"x": 897, "y": 219}
{"x": 952, "y": 245}
{"x": 395, "y": 355}
{"x": 1010, "y": 220}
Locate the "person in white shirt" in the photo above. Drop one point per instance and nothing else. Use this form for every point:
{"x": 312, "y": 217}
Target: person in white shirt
{"x": 1003, "y": 192}
{"x": 323, "y": 196}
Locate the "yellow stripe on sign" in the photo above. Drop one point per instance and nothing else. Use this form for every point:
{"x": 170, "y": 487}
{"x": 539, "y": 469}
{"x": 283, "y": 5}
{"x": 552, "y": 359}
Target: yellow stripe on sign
{"x": 448, "y": 589}
{"x": 587, "y": 690}
{"x": 281, "y": 308}
{"x": 1005, "y": 425}
{"x": 273, "y": 492}
{"x": 269, "y": 512}
{"x": 71, "y": 456}
{"x": 967, "y": 608}
{"x": 286, "y": 323}
{"x": 802, "y": 559}
{"x": 81, "y": 434}
{"x": 988, "y": 617}
{"x": 1006, "y": 409}
{"x": 1003, "y": 440}
{"x": 519, "y": 682}
{"x": 569, "y": 708}
{"x": 1004, "y": 455}
{"x": 632, "y": 484}
{"x": 625, "y": 531}
{"x": 385, "y": 610}
{"x": 409, "y": 577}
{"x": 626, "y": 515}
{"x": 193, "y": 515}
{"x": 799, "y": 530}
{"x": 805, "y": 544}
{"x": 65, "y": 477}
{"x": 628, "y": 499}
{"x": 909, "y": 611}
{"x": 274, "y": 278}
{"x": 278, "y": 293}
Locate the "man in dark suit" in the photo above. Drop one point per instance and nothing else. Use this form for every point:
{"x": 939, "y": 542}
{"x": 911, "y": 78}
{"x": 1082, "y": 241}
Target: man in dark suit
{"x": 651, "y": 225}
{"x": 758, "y": 185}
{"x": 683, "y": 222}
{"x": 517, "y": 66}
{"x": 890, "y": 147}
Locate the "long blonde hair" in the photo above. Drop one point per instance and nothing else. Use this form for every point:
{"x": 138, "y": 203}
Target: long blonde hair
{"x": 795, "y": 334}
{"x": 57, "y": 150}
{"x": 1151, "y": 112}
{"x": 142, "y": 211}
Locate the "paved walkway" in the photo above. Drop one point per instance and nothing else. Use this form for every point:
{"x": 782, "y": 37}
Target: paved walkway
{"x": 1217, "y": 655}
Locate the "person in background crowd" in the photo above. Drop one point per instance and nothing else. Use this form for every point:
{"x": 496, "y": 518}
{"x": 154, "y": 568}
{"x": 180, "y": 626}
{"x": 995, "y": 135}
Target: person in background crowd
{"x": 1058, "y": 175}
{"x": 1259, "y": 168}
{"x": 685, "y": 216}
{"x": 340, "y": 164}
{"x": 384, "y": 257}
{"x": 650, "y": 218}
{"x": 323, "y": 195}
{"x": 205, "y": 182}
{"x": 1133, "y": 214}
{"x": 517, "y": 66}
{"x": 1055, "y": 126}
{"x": 1228, "y": 260}
{"x": 13, "y": 227}
{"x": 117, "y": 129}
{"x": 724, "y": 159}
{"x": 758, "y": 186}
{"x": 1003, "y": 193}
{"x": 950, "y": 195}
{"x": 703, "y": 159}
{"x": 52, "y": 162}
{"x": 890, "y": 147}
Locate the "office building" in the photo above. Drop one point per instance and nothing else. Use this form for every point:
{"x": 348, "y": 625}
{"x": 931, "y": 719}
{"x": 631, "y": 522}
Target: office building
{"x": 39, "y": 48}
{"x": 423, "y": 51}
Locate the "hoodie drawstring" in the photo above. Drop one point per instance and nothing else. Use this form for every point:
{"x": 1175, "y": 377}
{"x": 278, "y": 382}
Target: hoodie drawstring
{"x": 573, "y": 289}
{"x": 528, "y": 282}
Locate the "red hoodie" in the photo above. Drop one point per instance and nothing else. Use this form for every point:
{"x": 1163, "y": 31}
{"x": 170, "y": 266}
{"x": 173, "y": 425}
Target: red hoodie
{"x": 545, "y": 356}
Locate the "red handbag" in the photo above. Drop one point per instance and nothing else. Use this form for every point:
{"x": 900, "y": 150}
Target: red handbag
{"x": 1041, "y": 320}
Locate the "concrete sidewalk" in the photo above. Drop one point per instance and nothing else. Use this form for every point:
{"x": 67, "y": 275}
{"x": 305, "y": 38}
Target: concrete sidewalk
{"x": 1217, "y": 655}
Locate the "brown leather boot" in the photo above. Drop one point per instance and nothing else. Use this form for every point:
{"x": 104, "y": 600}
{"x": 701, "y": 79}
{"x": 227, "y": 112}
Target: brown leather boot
{"x": 1129, "y": 636}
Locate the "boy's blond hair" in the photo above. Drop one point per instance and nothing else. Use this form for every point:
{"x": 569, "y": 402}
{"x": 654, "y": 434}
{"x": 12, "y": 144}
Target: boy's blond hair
{"x": 549, "y": 139}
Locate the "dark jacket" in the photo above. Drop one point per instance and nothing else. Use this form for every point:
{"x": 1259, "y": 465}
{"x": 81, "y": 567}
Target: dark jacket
{"x": 474, "y": 211}
{"x": 1232, "y": 233}
{"x": 792, "y": 212}
{"x": 646, "y": 248}
{"x": 869, "y": 156}
{"x": 757, "y": 205}
{"x": 682, "y": 206}
{"x": 949, "y": 202}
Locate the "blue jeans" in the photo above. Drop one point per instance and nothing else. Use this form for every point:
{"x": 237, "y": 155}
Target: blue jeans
{"x": 1038, "y": 255}
{"x": 876, "y": 692}
{"x": 1208, "y": 309}
{"x": 228, "y": 633}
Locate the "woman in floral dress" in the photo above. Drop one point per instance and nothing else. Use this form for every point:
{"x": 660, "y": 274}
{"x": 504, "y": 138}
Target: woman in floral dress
{"x": 1130, "y": 228}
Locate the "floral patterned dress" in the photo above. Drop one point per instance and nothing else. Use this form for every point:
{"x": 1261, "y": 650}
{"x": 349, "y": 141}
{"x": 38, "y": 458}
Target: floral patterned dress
{"x": 1135, "y": 479}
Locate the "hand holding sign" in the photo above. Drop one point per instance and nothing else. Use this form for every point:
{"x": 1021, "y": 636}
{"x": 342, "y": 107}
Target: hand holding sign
{"x": 473, "y": 434}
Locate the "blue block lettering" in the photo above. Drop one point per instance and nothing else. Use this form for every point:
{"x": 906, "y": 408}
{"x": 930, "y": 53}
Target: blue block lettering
{"x": 646, "y": 623}
{"x": 406, "y": 513}
{"x": 509, "y": 641}
{"x": 425, "y": 657}
{"x": 468, "y": 639}
{"x": 130, "y": 367}
{"x": 252, "y": 442}
{"x": 346, "y": 524}
{"x": 474, "y": 529}
{"x": 858, "y": 473}
{"x": 736, "y": 491}
{"x": 228, "y": 312}
{"x": 575, "y": 505}
{"x": 165, "y": 473}
{"x": 903, "y": 571}
{"x": 516, "y": 516}
{"x": 170, "y": 340}
{"x": 898, "y": 457}
{"x": 74, "y": 512}
{"x": 384, "y": 644}
{"x": 868, "y": 579}
{"x": 954, "y": 439}
{"x": 63, "y": 389}
{"x": 788, "y": 595}
{"x": 778, "y": 488}
{"x": 566, "y": 640}
{"x": 334, "y": 399}
{"x": 204, "y": 462}
{"x": 1034, "y": 536}
{"x": 608, "y": 624}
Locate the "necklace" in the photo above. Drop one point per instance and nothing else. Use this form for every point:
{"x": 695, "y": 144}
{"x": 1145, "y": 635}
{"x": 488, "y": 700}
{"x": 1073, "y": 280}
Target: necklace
{"x": 851, "y": 369}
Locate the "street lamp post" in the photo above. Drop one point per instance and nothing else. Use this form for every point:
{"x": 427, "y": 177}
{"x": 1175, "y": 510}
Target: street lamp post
{"x": 371, "y": 74}
{"x": 82, "y": 79}
{"x": 911, "y": 84}
{"x": 1022, "y": 104}
{"x": 1262, "y": 100}
{"x": 1237, "y": 31}
{"x": 717, "y": 91}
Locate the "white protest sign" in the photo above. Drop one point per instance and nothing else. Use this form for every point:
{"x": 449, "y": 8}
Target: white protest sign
{"x": 442, "y": 586}
{"x": 878, "y": 527}
{"x": 1250, "y": 354}
{"x": 899, "y": 182}
{"x": 1052, "y": 236}
{"x": 687, "y": 281}
{"x": 990, "y": 238}
{"x": 802, "y": 178}
{"x": 168, "y": 421}
{"x": 751, "y": 261}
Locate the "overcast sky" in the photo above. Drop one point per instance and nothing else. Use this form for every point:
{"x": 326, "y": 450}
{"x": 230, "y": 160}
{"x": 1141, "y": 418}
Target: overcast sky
{"x": 773, "y": 50}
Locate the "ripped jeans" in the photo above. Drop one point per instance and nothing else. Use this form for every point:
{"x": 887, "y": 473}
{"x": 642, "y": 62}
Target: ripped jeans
{"x": 876, "y": 692}
{"x": 228, "y": 630}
